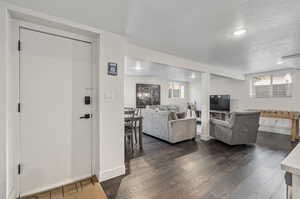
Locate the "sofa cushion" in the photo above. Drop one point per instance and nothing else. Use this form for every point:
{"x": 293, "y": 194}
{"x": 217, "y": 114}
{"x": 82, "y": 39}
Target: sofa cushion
{"x": 163, "y": 108}
{"x": 173, "y": 108}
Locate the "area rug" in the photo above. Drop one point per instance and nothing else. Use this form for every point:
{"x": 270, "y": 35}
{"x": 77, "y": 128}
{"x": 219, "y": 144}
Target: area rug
{"x": 85, "y": 189}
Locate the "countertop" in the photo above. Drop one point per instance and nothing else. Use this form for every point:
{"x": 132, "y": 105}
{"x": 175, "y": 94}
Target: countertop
{"x": 292, "y": 162}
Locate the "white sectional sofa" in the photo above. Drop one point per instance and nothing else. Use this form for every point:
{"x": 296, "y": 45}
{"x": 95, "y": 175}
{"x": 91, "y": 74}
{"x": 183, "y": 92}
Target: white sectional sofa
{"x": 160, "y": 124}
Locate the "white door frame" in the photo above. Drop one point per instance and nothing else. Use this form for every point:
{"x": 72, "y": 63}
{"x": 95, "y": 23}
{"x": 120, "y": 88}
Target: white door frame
{"x": 14, "y": 59}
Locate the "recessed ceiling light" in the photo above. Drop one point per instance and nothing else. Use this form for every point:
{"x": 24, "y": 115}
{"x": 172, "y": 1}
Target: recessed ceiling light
{"x": 138, "y": 66}
{"x": 240, "y": 32}
{"x": 193, "y": 76}
{"x": 280, "y": 62}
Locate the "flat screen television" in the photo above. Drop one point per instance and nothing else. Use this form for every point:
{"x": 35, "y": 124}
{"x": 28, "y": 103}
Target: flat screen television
{"x": 220, "y": 103}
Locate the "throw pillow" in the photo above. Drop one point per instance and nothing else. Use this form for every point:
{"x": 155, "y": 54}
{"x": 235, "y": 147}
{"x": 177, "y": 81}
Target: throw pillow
{"x": 172, "y": 116}
{"x": 181, "y": 115}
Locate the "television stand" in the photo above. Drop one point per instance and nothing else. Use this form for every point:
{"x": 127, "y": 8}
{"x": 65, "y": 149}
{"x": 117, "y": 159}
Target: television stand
{"x": 220, "y": 115}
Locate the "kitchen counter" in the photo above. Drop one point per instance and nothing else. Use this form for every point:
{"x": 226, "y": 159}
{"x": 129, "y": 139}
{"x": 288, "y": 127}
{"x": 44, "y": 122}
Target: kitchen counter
{"x": 292, "y": 164}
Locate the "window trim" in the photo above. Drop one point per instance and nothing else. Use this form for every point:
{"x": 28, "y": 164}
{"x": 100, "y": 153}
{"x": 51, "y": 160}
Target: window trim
{"x": 282, "y": 73}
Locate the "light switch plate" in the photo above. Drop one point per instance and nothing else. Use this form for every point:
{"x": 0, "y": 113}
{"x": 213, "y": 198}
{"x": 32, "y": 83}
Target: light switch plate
{"x": 108, "y": 96}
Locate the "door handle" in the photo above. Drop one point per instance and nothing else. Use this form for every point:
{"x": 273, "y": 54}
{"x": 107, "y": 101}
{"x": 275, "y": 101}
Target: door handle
{"x": 86, "y": 116}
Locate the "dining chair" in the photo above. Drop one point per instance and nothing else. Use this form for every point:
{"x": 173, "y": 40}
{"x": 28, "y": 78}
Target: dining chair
{"x": 129, "y": 128}
{"x": 137, "y": 113}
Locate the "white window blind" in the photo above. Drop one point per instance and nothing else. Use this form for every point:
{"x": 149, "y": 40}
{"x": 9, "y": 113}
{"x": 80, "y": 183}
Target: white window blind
{"x": 276, "y": 86}
{"x": 282, "y": 85}
{"x": 176, "y": 90}
{"x": 262, "y": 86}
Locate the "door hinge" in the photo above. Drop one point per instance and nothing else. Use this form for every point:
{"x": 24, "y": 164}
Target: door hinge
{"x": 19, "y": 45}
{"x": 19, "y": 107}
{"x": 19, "y": 169}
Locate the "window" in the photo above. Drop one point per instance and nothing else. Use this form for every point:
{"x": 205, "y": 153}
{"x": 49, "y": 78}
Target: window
{"x": 176, "y": 90}
{"x": 262, "y": 86}
{"x": 276, "y": 85}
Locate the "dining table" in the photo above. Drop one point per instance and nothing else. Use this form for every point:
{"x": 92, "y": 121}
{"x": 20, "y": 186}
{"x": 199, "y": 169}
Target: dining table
{"x": 140, "y": 120}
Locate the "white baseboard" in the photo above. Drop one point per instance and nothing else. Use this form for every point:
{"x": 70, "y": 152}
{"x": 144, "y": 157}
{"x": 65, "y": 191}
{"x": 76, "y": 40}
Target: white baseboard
{"x": 112, "y": 173}
{"x": 205, "y": 137}
{"x": 12, "y": 194}
{"x": 3, "y": 193}
{"x": 275, "y": 130}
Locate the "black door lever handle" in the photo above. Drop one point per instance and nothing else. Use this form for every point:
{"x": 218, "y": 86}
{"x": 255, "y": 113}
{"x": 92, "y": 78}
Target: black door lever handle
{"x": 86, "y": 116}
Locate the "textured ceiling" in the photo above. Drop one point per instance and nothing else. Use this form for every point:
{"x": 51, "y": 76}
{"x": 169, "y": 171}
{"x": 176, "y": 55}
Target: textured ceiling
{"x": 197, "y": 29}
{"x": 202, "y": 30}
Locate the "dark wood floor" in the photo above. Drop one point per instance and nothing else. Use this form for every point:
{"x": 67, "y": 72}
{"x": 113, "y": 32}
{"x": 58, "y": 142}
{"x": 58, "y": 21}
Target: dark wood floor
{"x": 204, "y": 170}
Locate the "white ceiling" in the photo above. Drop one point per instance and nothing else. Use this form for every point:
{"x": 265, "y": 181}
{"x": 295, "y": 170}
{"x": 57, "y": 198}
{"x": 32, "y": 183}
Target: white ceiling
{"x": 150, "y": 69}
{"x": 202, "y": 30}
{"x": 197, "y": 29}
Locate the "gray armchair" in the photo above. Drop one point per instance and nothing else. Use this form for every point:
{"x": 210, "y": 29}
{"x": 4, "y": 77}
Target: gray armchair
{"x": 242, "y": 128}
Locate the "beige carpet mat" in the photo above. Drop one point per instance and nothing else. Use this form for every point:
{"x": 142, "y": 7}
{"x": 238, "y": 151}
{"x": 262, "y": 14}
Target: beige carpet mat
{"x": 85, "y": 189}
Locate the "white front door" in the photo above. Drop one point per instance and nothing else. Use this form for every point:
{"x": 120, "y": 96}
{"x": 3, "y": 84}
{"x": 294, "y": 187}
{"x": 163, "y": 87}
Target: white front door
{"x": 55, "y": 77}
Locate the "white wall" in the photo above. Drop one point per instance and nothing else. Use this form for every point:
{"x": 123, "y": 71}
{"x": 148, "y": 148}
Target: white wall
{"x": 3, "y": 95}
{"x": 130, "y": 90}
{"x": 111, "y": 17}
{"x": 12, "y": 115}
{"x": 111, "y": 107}
{"x": 241, "y": 100}
{"x": 234, "y": 88}
{"x": 194, "y": 91}
{"x": 204, "y": 106}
